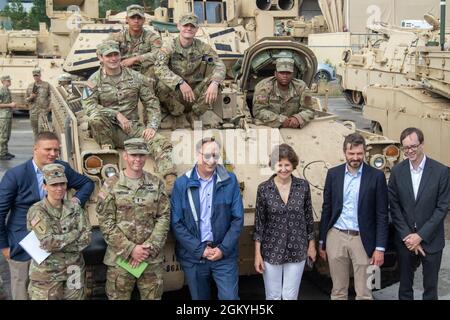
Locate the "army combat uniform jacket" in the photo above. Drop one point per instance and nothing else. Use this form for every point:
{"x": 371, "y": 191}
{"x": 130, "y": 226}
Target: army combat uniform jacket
{"x": 146, "y": 45}
{"x": 5, "y": 120}
{"x": 108, "y": 95}
{"x": 132, "y": 212}
{"x": 64, "y": 234}
{"x": 42, "y": 101}
{"x": 272, "y": 108}
{"x": 175, "y": 63}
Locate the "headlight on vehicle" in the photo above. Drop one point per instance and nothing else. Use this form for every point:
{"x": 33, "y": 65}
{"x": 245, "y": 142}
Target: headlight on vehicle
{"x": 378, "y": 161}
{"x": 109, "y": 170}
{"x": 93, "y": 164}
{"x": 391, "y": 151}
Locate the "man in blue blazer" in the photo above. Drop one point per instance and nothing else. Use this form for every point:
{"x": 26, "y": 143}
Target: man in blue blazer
{"x": 20, "y": 188}
{"x": 354, "y": 222}
{"x": 419, "y": 195}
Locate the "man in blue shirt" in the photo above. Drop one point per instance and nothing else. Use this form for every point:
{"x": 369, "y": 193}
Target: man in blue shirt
{"x": 354, "y": 223}
{"x": 20, "y": 188}
{"x": 207, "y": 217}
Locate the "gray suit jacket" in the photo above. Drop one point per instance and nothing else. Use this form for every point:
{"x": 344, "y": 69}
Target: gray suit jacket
{"x": 424, "y": 215}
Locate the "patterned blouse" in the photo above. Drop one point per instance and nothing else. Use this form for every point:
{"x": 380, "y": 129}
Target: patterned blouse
{"x": 284, "y": 230}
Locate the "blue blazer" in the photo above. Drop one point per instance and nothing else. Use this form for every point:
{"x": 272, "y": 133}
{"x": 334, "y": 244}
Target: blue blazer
{"x": 227, "y": 216}
{"x": 373, "y": 219}
{"x": 19, "y": 190}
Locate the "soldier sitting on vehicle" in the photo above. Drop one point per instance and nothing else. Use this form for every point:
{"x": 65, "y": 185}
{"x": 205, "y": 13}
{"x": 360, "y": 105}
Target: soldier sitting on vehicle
{"x": 189, "y": 72}
{"x": 133, "y": 213}
{"x": 137, "y": 44}
{"x": 281, "y": 101}
{"x": 110, "y": 100}
{"x": 63, "y": 229}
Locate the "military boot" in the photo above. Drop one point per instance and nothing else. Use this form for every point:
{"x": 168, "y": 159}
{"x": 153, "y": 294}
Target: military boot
{"x": 5, "y": 157}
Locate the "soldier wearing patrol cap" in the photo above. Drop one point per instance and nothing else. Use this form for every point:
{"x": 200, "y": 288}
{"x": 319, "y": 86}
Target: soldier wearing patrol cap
{"x": 63, "y": 229}
{"x": 137, "y": 44}
{"x": 111, "y": 104}
{"x": 281, "y": 100}
{"x": 133, "y": 213}
{"x": 38, "y": 98}
{"x": 189, "y": 72}
{"x": 6, "y": 106}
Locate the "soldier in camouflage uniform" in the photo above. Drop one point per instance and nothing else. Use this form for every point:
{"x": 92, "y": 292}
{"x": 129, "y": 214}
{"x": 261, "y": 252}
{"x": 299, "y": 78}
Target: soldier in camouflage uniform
{"x": 38, "y": 97}
{"x": 111, "y": 104}
{"x": 133, "y": 213}
{"x": 137, "y": 44}
{"x": 189, "y": 72}
{"x": 63, "y": 229}
{"x": 5, "y": 117}
{"x": 281, "y": 101}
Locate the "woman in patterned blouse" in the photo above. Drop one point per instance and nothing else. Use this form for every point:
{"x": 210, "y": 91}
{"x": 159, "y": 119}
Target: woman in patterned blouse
{"x": 284, "y": 235}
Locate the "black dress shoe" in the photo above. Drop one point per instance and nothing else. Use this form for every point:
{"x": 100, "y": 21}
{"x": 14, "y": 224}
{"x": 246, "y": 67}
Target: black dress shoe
{"x": 5, "y": 157}
{"x": 11, "y": 155}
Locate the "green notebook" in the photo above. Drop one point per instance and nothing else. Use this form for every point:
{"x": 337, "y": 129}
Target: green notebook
{"x": 137, "y": 272}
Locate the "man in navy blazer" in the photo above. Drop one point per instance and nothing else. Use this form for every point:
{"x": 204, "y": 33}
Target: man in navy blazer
{"x": 20, "y": 188}
{"x": 419, "y": 195}
{"x": 354, "y": 223}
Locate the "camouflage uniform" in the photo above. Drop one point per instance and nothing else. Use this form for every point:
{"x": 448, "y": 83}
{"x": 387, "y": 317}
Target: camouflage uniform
{"x": 134, "y": 212}
{"x": 198, "y": 65}
{"x": 272, "y": 107}
{"x": 64, "y": 233}
{"x": 106, "y": 96}
{"x": 5, "y": 119}
{"x": 40, "y": 106}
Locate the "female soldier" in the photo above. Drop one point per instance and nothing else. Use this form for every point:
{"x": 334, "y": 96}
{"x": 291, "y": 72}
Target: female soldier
{"x": 63, "y": 230}
{"x": 284, "y": 236}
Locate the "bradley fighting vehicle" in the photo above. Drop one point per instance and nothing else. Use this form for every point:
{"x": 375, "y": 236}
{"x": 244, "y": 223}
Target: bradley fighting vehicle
{"x": 22, "y": 51}
{"x": 386, "y": 60}
{"x": 246, "y": 143}
{"x": 424, "y": 104}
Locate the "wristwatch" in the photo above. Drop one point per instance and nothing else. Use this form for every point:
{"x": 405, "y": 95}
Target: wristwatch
{"x": 180, "y": 82}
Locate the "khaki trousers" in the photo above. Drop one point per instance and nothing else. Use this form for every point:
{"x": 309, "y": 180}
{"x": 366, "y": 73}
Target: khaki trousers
{"x": 342, "y": 250}
{"x": 19, "y": 279}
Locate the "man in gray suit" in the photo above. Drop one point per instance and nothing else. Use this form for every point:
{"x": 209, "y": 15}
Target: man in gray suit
{"x": 419, "y": 195}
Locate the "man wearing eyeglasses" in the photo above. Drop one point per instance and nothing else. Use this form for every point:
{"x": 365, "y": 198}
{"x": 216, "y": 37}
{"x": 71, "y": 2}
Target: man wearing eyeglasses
{"x": 419, "y": 195}
{"x": 207, "y": 217}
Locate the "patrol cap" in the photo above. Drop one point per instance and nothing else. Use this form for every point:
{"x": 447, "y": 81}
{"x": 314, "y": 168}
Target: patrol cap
{"x": 107, "y": 47}
{"x": 64, "y": 77}
{"x": 189, "y": 18}
{"x": 54, "y": 173}
{"x": 285, "y": 64}
{"x": 36, "y": 71}
{"x": 136, "y": 146}
{"x": 5, "y": 77}
{"x": 135, "y": 9}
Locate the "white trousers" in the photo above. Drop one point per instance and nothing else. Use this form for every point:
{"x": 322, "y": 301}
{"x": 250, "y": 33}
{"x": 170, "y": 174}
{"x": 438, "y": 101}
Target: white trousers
{"x": 282, "y": 281}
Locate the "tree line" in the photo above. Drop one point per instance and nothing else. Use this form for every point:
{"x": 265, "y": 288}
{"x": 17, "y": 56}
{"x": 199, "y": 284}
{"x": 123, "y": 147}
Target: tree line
{"x": 21, "y": 19}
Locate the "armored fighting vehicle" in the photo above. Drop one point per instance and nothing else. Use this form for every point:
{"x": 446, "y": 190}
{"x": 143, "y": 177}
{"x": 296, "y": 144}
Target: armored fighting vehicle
{"x": 387, "y": 60}
{"x": 23, "y": 50}
{"x": 425, "y": 105}
{"x": 246, "y": 146}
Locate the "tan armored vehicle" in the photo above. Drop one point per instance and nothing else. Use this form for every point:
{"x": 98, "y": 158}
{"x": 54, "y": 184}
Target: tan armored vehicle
{"x": 386, "y": 60}
{"x": 425, "y": 105}
{"x": 246, "y": 149}
{"x": 22, "y": 51}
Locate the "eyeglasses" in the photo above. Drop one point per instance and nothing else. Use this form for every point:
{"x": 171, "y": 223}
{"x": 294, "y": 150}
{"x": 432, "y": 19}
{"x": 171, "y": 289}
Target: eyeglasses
{"x": 208, "y": 156}
{"x": 410, "y": 148}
